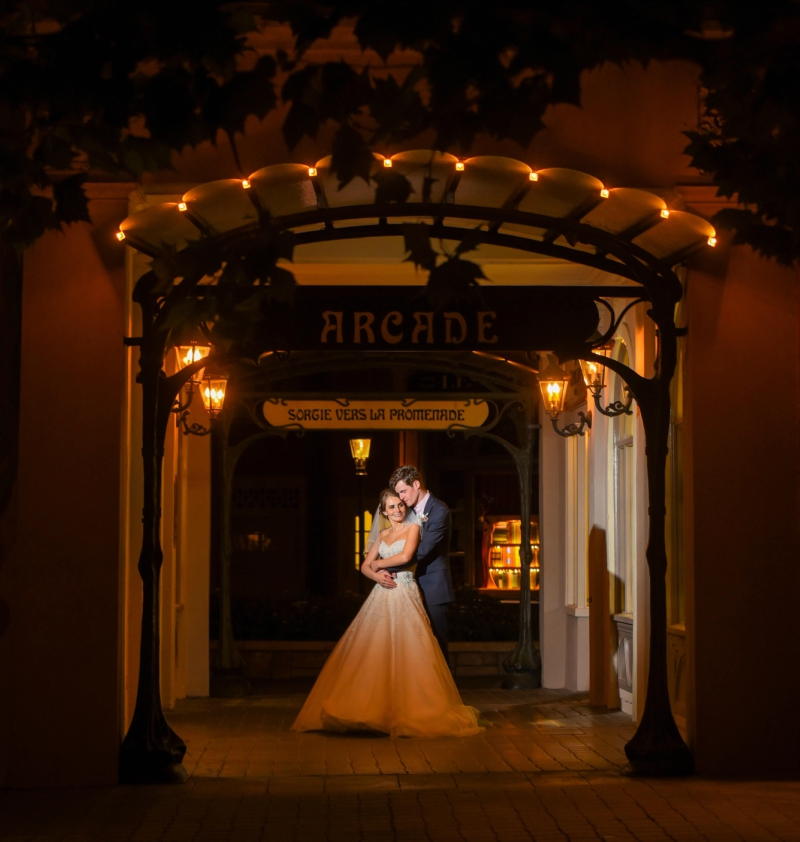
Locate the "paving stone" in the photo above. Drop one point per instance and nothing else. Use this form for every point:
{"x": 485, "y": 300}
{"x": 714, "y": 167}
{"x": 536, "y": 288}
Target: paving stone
{"x": 547, "y": 767}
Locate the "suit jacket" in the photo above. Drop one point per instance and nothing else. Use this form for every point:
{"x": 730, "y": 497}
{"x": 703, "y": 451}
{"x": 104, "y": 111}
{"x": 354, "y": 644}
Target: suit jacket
{"x": 433, "y": 554}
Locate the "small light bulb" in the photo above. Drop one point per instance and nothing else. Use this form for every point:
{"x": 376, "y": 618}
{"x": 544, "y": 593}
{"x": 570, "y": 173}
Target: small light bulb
{"x": 312, "y": 171}
{"x": 246, "y": 183}
{"x": 120, "y": 236}
{"x": 387, "y": 162}
{"x": 604, "y": 194}
{"x": 712, "y": 241}
{"x": 534, "y": 176}
{"x": 182, "y": 206}
{"x": 665, "y": 214}
{"x": 460, "y": 166}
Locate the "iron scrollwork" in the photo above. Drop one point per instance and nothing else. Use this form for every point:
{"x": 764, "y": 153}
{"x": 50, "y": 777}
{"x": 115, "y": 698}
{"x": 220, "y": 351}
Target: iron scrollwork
{"x": 615, "y": 408}
{"x": 578, "y": 429}
{"x": 181, "y": 410}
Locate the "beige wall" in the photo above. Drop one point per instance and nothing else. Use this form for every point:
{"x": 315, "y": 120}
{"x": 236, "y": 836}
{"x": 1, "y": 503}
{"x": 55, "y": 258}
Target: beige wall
{"x": 743, "y": 626}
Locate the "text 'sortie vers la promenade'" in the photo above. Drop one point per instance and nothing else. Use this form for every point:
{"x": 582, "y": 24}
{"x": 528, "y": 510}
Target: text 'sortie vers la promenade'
{"x": 375, "y": 414}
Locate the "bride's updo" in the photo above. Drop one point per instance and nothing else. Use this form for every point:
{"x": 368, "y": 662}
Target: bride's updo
{"x": 385, "y": 495}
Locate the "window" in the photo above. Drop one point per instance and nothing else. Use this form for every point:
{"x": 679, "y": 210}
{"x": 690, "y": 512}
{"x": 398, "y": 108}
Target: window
{"x": 624, "y": 493}
{"x": 676, "y": 564}
{"x": 577, "y": 521}
{"x": 367, "y": 520}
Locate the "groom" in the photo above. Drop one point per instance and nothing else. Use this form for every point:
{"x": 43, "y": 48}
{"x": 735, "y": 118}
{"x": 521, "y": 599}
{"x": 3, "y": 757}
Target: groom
{"x": 433, "y": 552}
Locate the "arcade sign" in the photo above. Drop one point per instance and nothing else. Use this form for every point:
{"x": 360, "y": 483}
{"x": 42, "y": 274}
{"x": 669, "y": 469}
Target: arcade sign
{"x": 375, "y": 415}
{"x": 401, "y": 318}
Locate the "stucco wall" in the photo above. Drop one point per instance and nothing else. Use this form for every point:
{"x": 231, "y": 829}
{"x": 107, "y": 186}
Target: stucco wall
{"x": 63, "y": 577}
{"x": 741, "y": 504}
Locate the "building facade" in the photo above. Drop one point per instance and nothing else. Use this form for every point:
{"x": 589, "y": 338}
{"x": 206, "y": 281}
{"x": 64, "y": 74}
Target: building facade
{"x": 69, "y": 654}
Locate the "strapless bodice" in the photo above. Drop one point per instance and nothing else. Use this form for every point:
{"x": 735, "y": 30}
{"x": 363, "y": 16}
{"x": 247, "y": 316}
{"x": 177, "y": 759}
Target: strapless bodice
{"x": 388, "y": 550}
{"x": 405, "y": 577}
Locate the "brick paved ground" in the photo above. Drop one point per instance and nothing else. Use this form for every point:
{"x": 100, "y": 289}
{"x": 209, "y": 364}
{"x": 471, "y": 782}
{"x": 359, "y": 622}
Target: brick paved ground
{"x": 547, "y": 767}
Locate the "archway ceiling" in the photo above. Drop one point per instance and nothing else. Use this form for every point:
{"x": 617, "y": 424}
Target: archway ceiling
{"x": 555, "y": 226}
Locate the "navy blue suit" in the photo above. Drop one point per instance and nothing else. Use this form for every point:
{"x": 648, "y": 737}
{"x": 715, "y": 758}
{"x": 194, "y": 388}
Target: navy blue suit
{"x": 433, "y": 567}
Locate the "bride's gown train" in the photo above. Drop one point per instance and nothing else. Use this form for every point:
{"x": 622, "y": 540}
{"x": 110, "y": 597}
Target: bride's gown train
{"x": 387, "y": 673}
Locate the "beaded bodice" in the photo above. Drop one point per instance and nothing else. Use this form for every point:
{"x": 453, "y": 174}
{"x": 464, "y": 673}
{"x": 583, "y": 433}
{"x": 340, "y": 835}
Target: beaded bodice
{"x": 388, "y": 550}
{"x": 405, "y": 577}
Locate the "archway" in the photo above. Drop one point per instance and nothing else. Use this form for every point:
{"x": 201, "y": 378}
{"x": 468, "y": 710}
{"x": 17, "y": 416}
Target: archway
{"x": 629, "y": 236}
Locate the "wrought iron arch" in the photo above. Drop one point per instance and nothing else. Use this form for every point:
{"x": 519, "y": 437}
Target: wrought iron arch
{"x": 558, "y": 213}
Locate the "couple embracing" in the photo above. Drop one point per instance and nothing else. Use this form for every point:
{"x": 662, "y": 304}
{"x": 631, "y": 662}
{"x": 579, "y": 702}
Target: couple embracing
{"x": 389, "y": 671}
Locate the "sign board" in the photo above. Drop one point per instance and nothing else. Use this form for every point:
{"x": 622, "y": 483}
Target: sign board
{"x": 375, "y": 415}
{"x": 401, "y": 318}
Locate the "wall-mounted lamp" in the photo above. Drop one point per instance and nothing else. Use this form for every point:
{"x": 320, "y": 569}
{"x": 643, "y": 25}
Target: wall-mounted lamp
{"x": 212, "y": 389}
{"x": 188, "y": 354}
{"x": 553, "y": 382}
{"x": 594, "y": 374}
{"x": 360, "y": 450}
{"x": 213, "y": 393}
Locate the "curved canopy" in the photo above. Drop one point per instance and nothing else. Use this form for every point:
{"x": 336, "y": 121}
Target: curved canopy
{"x": 557, "y": 212}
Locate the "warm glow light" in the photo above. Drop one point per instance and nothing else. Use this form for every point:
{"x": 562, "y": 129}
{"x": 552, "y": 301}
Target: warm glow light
{"x": 712, "y": 241}
{"x": 120, "y": 236}
{"x": 312, "y": 171}
{"x": 182, "y": 206}
{"x": 360, "y": 451}
{"x": 460, "y": 166}
{"x": 553, "y": 384}
{"x": 246, "y": 183}
{"x": 360, "y": 448}
{"x": 534, "y": 176}
{"x": 594, "y": 373}
{"x": 188, "y": 354}
{"x": 665, "y": 214}
{"x": 387, "y": 162}
{"x": 213, "y": 394}
{"x": 604, "y": 193}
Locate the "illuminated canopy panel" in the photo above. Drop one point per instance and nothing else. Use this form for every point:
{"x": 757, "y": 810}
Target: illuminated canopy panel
{"x": 551, "y": 214}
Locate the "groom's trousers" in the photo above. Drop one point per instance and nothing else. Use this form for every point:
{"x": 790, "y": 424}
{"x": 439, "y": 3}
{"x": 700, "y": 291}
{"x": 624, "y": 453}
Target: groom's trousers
{"x": 438, "y": 617}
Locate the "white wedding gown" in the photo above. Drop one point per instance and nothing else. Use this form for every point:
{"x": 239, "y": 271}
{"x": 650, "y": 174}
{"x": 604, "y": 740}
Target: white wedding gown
{"x": 387, "y": 673}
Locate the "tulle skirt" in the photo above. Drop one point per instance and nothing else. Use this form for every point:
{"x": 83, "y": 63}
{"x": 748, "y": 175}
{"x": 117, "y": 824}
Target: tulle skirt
{"x": 388, "y": 674}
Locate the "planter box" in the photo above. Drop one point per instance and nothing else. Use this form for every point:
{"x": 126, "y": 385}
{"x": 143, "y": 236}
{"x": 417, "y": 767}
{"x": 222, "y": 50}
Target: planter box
{"x": 271, "y": 659}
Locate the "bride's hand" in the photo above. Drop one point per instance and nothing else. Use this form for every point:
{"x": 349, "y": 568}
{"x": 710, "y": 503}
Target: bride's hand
{"x": 385, "y": 579}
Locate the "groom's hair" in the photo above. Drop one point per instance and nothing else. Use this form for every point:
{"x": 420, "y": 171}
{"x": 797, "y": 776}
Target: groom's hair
{"x": 407, "y": 474}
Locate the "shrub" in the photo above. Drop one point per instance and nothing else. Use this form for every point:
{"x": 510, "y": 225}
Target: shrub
{"x": 472, "y": 617}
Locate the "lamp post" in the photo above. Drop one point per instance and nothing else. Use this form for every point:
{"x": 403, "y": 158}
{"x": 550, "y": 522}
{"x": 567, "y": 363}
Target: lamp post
{"x": 151, "y": 751}
{"x": 359, "y": 448}
{"x": 553, "y": 381}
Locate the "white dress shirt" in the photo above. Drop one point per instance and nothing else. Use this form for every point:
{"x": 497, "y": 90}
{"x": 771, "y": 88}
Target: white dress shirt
{"x": 419, "y": 509}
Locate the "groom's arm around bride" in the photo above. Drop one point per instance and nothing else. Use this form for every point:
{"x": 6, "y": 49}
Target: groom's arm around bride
{"x": 433, "y": 553}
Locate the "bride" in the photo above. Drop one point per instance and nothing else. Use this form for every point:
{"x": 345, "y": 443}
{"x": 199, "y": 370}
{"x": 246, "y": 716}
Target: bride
{"x": 387, "y": 673}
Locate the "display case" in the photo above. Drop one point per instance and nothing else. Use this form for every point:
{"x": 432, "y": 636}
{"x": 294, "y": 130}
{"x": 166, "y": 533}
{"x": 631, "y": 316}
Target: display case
{"x": 502, "y": 539}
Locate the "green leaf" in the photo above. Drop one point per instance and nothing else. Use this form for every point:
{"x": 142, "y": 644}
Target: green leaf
{"x": 350, "y": 156}
{"x": 282, "y": 285}
{"x": 416, "y": 237}
{"x": 392, "y": 186}
{"x": 470, "y": 241}
{"x": 454, "y": 281}
{"x": 71, "y": 204}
